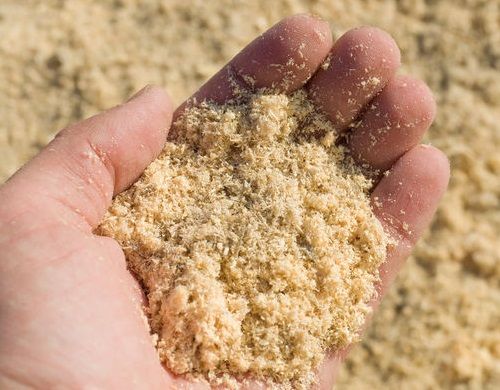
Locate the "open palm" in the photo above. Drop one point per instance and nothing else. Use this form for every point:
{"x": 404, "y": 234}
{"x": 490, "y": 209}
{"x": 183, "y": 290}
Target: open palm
{"x": 70, "y": 312}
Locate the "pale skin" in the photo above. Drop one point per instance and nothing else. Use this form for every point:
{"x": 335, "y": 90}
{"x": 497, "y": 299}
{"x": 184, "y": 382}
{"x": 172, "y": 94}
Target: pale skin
{"x": 70, "y": 312}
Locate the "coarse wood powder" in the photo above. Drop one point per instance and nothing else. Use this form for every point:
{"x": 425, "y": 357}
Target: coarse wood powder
{"x": 253, "y": 237}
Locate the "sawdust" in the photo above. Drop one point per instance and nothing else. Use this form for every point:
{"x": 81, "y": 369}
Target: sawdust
{"x": 438, "y": 327}
{"x": 254, "y": 239}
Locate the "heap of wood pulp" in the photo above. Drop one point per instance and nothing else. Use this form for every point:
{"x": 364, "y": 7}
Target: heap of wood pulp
{"x": 254, "y": 239}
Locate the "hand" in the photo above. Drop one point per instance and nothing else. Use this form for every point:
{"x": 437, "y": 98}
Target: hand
{"x": 70, "y": 311}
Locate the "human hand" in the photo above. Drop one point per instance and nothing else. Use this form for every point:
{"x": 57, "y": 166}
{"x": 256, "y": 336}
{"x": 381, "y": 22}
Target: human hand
{"x": 70, "y": 311}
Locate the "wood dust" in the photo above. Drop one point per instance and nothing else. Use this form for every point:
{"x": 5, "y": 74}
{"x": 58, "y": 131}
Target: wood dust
{"x": 254, "y": 239}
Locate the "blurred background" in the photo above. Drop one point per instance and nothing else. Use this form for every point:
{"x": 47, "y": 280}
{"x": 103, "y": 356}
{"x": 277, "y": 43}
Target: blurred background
{"x": 439, "y": 327}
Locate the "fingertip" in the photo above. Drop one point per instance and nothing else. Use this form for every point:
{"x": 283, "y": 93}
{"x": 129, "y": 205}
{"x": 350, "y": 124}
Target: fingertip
{"x": 370, "y": 47}
{"x": 395, "y": 122}
{"x": 362, "y": 61}
{"x": 285, "y": 56}
{"x": 426, "y": 161}
{"x": 406, "y": 198}
{"x": 152, "y": 109}
{"x": 413, "y": 98}
{"x": 384, "y": 41}
{"x": 155, "y": 97}
{"x": 131, "y": 135}
{"x": 424, "y": 96}
{"x": 430, "y": 167}
{"x": 312, "y": 24}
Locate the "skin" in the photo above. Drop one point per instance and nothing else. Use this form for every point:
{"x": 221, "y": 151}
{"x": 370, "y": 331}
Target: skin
{"x": 70, "y": 312}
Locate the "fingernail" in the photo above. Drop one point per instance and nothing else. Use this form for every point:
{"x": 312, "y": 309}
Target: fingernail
{"x": 138, "y": 94}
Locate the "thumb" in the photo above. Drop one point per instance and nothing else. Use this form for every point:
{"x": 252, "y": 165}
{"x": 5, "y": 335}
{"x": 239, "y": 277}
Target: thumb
{"x": 78, "y": 173}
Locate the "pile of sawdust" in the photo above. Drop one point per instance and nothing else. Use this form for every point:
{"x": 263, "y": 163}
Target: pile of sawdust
{"x": 254, "y": 239}
{"x": 438, "y": 327}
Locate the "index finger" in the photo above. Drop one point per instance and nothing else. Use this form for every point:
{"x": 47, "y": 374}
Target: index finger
{"x": 283, "y": 58}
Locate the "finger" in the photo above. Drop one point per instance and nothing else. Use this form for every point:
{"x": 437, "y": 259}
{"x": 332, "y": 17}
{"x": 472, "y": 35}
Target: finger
{"x": 394, "y": 123}
{"x": 328, "y": 371}
{"x": 88, "y": 162}
{"x": 283, "y": 58}
{"x": 405, "y": 201}
{"x": 362, "y": 62}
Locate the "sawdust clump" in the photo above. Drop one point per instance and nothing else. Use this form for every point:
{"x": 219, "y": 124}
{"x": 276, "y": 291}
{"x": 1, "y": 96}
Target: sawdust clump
{"x": 254, "y": 239}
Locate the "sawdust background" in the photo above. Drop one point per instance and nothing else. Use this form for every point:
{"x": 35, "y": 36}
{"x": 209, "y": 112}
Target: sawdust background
{"x": 61, "y": 61}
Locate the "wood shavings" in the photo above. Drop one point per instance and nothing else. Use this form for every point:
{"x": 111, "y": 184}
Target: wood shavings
{"x": 254, "y": 239}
